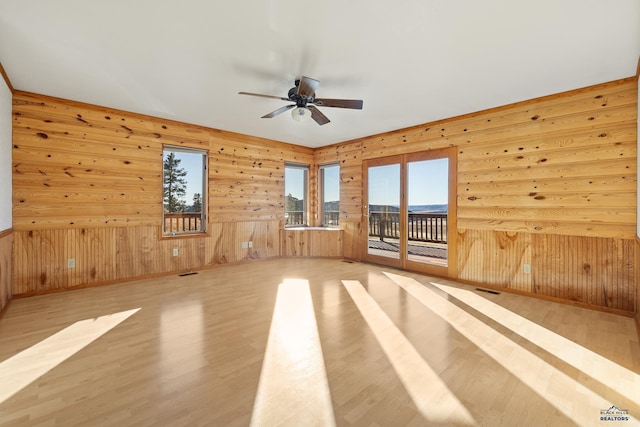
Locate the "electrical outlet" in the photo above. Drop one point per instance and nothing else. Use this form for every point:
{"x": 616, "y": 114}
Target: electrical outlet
{"x": 245, "y": 245}
{"x": 527, "y": 268}
{"x": 71, "y": 263}
{"x": 175, "y": 251}
{"x": 250, "y": 244}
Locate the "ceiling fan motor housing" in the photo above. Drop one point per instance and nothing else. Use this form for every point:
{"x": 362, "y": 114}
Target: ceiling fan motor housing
{"x": 301, "y": 101}
{"x": 304, "y": 97}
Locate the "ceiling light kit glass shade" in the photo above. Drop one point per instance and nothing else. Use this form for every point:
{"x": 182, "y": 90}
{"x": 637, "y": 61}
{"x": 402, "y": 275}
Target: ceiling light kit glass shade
{"x": 300, "y": 114}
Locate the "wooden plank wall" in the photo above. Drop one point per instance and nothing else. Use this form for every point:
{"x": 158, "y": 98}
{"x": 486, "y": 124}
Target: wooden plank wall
{"x": 311, "y": 243}
{"x": 549, "y": 182}
{"x": 6, "y": 244}
{"x": 87, "y": 184}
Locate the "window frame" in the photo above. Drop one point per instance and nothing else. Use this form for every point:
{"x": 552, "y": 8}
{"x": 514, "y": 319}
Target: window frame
{"x": 321, "y": 188}
{"x": 305, "y": 205}
{"x": 167, "y": 148}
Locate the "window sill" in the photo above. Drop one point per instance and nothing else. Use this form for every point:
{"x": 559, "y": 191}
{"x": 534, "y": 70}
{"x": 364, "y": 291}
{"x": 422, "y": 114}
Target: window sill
{"x": 310, "y": 228}
{"x": 184, "y": 235}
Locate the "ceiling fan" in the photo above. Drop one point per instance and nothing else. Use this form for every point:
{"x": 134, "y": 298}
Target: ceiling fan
{"x": 304, "y": 97}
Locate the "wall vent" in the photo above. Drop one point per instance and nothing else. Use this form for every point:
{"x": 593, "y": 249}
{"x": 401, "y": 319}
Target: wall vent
{"x": 188, "y": 274}
{"x": 488, "y": 291}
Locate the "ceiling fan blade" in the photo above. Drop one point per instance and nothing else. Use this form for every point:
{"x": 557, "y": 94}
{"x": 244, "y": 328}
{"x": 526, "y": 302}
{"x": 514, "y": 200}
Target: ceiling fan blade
{"x": 307, "y": 86}
{"x": 263, "y": 96}
{"x": 279, "y": 111}
{"x": 355, "y": 104}
{"x": 317, "y": 115}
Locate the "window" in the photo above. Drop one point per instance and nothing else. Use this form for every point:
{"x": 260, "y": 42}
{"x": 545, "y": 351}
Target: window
{"x": 330, "y": 194}
{"x": 184, "y": 181}
{"x": 295, "y": 191}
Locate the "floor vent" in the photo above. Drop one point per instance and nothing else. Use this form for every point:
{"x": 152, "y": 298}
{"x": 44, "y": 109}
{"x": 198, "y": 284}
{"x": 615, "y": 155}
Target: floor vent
{"x": 188, "y": 274}
{"x": 347, "y": 261}
{"x": 488, "y": 291}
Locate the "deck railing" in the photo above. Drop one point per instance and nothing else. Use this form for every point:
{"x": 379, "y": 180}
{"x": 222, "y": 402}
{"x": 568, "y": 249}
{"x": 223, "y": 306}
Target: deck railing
{"x": 421, "y": 227}
{"x": 330, "y": 218}
{"x": 294, "y": 218}
{"x": 182, "y": 222}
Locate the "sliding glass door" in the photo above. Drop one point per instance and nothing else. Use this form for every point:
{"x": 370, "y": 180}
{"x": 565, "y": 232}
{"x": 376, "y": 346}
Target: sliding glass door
{"x": 410, "y": 202}
{"x": 383, "y": 203}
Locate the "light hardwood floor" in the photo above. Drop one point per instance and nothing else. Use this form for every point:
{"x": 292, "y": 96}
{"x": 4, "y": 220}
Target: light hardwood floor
{"x": 311, "y": 342}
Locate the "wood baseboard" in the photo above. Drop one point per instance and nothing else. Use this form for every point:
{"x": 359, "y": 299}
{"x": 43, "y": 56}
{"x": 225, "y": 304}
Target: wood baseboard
{"x": 3, "y": 309}
{"x": 552, "y": 299}
{"x": 133, "y": 279}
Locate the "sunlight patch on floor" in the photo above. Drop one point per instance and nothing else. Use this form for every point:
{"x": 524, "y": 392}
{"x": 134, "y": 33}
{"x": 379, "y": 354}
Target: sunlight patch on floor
{"x": 20, "y": 370}
{"x": 622, "y": 380}
{"x": 181, "y": 344}
{"x": 579, "y": 403}
{"x": 429, "y": 393}
{"x": 293, "y": 388}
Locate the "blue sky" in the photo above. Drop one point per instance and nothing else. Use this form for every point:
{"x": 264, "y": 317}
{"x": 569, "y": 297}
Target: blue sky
{"x": 294, "y": 183}
{"x": 192, "y": 163}
{"x": 332, "y": 186}
{"x": 427, "y": 181}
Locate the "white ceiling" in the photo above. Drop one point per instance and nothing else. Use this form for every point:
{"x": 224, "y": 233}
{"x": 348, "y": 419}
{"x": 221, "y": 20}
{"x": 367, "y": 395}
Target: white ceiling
{"x": 411, "y": 61}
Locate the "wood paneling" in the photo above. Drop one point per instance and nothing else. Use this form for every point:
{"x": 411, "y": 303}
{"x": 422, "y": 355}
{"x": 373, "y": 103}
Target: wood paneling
{"x": 6, "y": 245}
{"x": 246, "y": 178}
{"x": 87, "y": 185}
{"x": 313, "y": 243}
{"x": 549, "y": 182}
{"x": 560, "y": 167}
{"x": 106, "y": 255}
{"x": 75, "y": 168}
{"x": 41, "y": 256}
{"x": 349, "y": 157}
{"x": 80, "y": 166}
{"x": 141, "y": 252}
{"x": 591, "y": 270}
{"x": 226, "y": 242}
{"x": 352, "y": 236}
{"x": 495, "y": 258}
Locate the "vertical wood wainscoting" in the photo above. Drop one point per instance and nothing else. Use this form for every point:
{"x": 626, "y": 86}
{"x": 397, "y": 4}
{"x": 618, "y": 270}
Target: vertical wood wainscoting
{"x": 6, "y": 244}
{"x": 311, "y": 242}
{"x": 548, "y": 183}
{"x": 592, "y": 271}
{"x": 87, "y": 186}
{"x": 495, "y": 258}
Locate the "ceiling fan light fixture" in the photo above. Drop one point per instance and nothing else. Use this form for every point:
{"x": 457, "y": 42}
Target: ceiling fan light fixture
{"x": 300, "y": 114}
{"x": 304, "y": 102}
